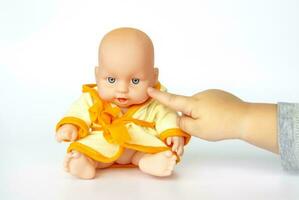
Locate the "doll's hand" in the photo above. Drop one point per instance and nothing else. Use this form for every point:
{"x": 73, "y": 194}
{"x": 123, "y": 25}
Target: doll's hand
{"x": 177, "y": 144}
{"x": 67, "y": 132}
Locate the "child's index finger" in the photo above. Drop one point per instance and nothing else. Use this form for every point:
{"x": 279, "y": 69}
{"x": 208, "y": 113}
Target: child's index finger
{"x": 176, "y": 102}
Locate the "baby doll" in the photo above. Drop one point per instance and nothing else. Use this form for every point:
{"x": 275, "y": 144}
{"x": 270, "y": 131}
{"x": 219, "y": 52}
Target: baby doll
{"x": 115, "y": 122}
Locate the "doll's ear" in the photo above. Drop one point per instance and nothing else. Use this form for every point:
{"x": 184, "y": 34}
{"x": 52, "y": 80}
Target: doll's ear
{"x": 156, "y": 71}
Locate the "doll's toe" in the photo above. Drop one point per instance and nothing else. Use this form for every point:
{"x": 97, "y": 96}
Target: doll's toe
{"x": 66, "y": 161}
{"x": 173, "y": 158}
{"x": 76, "y": 154}
{"x": 180, "y": 151}
{"x": 168, "y": 154}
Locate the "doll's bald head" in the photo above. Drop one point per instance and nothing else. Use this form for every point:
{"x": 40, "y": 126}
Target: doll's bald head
{"x": 126, "y": 47}
{"x": 126, "y": 67}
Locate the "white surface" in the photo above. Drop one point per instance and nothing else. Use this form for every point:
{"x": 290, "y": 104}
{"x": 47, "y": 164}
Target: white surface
{"x": 224, "y": 170}
{"x": 48, "y": 49}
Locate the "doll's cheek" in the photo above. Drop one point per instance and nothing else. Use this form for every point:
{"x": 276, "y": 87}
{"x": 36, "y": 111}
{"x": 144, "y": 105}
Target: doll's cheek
{"x": 140, "y": 96}
{"x": 105, "y": 94}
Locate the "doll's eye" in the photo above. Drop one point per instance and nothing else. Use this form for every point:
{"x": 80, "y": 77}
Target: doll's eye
{"x": 135, "y": 81}
{"x": 111, "y": 80}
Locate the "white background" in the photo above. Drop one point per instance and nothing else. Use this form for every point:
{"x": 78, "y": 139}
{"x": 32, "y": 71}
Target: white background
{"x": 48, "y": 49}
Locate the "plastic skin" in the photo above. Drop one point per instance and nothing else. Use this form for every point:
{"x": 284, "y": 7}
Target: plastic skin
{"x": 255, "y": 123}
{"x": 126, "y": 56}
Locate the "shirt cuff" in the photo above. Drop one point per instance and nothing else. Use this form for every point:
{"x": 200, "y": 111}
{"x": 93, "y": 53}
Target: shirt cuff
{"x": 288, "y": 135}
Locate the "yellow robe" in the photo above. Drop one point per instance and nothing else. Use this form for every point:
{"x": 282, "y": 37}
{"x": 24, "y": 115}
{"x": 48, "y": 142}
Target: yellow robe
{"x": 104, "y": 132}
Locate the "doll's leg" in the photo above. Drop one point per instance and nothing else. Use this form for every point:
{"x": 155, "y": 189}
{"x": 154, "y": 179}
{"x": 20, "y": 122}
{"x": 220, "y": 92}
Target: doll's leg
{"x": 100, "y": 165}
{"x": 159, "y": 164}
{"x": 80, "y": 165}
{"x": 126, "y": 157}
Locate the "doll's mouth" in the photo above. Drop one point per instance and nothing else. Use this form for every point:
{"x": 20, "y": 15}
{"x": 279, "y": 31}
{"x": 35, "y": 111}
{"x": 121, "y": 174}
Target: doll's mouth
{"x": 122, "y": 100}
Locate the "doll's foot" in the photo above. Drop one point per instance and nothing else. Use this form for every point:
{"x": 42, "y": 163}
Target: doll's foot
{"x": 159, "y": 164}
{"x": 79, "y": 165}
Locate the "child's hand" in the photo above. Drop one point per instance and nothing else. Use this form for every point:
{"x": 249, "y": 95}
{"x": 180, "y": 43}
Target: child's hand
{"x": 67, "y": 132}
{"x": 177, "y": 144}
{"x": 211, "y": 115}
{"x": 217, "y": 115}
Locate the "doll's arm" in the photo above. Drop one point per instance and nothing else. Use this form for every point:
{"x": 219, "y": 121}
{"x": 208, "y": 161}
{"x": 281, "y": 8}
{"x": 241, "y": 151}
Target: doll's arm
{"x": 78, "y": 117}
{"x": 166, "y": 126}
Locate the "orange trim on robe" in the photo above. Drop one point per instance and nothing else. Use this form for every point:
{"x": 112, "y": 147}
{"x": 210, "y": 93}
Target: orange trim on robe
{"x": 116, "y": 165}
{"x": 146, "y": 149}
{"x": 94, "y": 154}
{"x": 113, "y": 127}
{"x": 174, "y": 132}
{"x": 101, "y": 158}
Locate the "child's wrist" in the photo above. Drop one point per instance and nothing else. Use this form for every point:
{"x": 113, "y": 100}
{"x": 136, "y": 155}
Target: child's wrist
{"x": 243, "y": 121}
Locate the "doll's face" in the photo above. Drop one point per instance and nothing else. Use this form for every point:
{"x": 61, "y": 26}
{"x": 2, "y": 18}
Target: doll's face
{"x": 123, "y": 86}
{"x": 125, "y": 68}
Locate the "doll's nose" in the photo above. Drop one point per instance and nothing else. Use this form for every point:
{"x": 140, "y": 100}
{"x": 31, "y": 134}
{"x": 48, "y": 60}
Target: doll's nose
{"x": 122, "y": 87}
